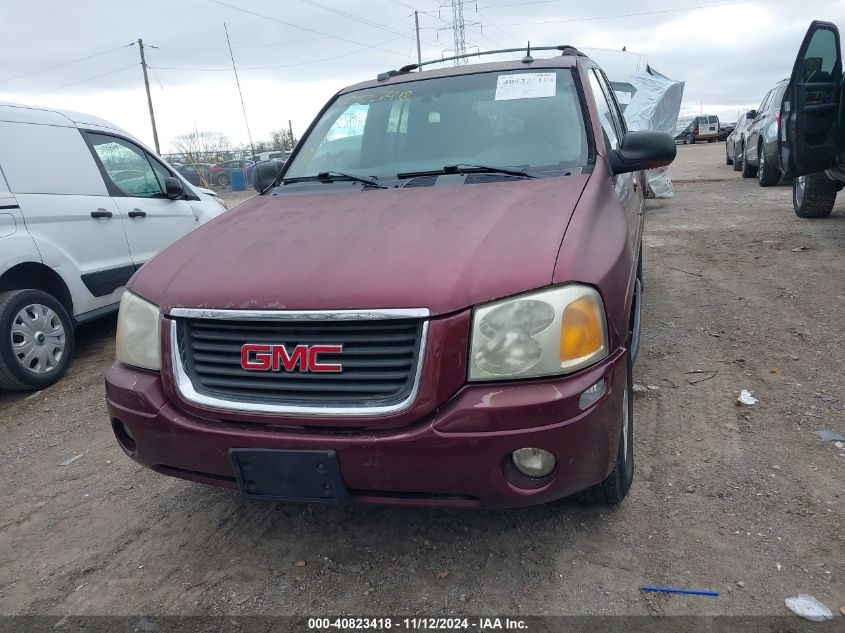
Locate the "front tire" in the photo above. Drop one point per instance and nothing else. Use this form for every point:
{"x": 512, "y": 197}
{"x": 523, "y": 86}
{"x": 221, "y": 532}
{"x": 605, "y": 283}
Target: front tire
{"x": 728, "y": 159}
{"x": 223, "y": 180}
{"x": 36, "y": 340}
{"x": 616, "y": 485}
{"x": 813, "y": 195}
{"x": 737, "y": 161}
{"x": 767, "y": 175}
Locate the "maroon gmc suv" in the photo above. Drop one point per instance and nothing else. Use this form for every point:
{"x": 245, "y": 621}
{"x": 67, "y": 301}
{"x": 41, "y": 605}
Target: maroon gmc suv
{"x": 435, "y": 301}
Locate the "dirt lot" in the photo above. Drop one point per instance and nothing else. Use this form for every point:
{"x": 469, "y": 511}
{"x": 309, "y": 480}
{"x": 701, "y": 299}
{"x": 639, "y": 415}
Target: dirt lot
{"x": 744, "y": 500}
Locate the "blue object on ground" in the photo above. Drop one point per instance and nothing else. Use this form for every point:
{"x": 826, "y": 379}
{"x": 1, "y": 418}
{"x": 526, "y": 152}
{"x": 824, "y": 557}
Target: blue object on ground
{"x": 692, "y": 592}
{"x": 238, "y": 179}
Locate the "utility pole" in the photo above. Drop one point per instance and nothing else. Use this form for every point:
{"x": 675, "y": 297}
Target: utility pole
{"x": 149, "y": 97}
{"x": 290, "y": 131}
{"x": 417, "y": 26}
{"x": 238, "y": 82}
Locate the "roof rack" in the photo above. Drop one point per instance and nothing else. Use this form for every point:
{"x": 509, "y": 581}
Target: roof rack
{"x": 564, "y": 49}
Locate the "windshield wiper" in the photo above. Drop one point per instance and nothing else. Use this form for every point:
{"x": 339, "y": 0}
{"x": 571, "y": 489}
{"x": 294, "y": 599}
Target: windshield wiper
{"x": 331, "y": 176}
{"x": 467, "y": 168}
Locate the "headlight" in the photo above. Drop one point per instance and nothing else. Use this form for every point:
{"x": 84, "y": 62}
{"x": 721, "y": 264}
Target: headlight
{"x": 554, "y": 331}
{"x": 138, "y": 332}
{"x": 220, "y": 201}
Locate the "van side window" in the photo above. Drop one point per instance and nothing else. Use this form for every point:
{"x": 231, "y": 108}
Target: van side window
{"x": 127, "y": 166}
{"x": 160, "y": 171}
{"x": 608, "y": 125}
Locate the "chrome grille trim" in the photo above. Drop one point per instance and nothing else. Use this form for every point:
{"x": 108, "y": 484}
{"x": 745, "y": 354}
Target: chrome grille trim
{"x": 186, "y": 389}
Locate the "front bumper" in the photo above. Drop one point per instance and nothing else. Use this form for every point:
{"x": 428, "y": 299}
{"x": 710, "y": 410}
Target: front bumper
{"x": 459, "y": 455}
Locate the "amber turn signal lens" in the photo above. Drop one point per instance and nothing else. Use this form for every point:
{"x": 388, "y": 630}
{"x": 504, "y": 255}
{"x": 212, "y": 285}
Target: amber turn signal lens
{"x": 582, "y": 330}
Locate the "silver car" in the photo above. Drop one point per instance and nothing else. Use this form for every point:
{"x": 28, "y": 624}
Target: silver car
{"x": 736, "y": 140}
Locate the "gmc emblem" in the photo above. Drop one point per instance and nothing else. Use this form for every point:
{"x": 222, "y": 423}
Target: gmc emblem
{"x": 265, "y": 357}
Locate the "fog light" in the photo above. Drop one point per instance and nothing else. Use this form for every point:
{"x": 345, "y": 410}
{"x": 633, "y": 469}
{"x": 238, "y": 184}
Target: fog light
{"x": 124, "y": 436}
{"x": 534, "y": 462}
{"x": 591, "y": 395}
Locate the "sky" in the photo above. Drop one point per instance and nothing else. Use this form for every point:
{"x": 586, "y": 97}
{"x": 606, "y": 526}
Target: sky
{"x": 293, "y": 55}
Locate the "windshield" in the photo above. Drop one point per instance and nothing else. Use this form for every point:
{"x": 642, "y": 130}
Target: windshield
{"x": 517, "y": 119}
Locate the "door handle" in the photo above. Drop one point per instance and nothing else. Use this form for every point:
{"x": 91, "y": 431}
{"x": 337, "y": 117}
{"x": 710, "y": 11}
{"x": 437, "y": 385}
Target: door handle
{"x": 101, "y": 213}
{"x": 137, "y": 213}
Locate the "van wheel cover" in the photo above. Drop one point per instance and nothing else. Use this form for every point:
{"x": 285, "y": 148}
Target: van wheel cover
{"x": 38, "y": 338}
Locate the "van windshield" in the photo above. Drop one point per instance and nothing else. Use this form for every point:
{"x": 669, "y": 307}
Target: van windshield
{"x": 518, "y": 119}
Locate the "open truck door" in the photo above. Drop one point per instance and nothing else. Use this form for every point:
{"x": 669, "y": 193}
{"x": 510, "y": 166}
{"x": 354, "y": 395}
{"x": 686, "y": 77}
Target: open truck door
{"x": 810, "y": 111}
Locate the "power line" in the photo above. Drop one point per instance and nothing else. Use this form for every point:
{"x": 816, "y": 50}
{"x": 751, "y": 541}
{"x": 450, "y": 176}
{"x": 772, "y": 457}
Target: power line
{"x": 413, "y": 8}
{"x": 271, "y": 44}
{"x": 493, "y": 24}
{"x": 357, "y": 18}
{"x": 111, "y": 72}
{"x": 631, "y": 15}
{"x": 67, "y": 63}
{"x": 302, "y": 28}
{"x": 277, "y": 66}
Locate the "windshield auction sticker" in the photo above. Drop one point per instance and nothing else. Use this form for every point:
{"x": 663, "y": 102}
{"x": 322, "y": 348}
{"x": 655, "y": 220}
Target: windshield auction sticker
{"x": 525, "y": 86}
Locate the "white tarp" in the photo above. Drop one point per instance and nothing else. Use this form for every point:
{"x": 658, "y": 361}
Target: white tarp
{"x": 650, "y": 101}
{"x": 655, "y": 106}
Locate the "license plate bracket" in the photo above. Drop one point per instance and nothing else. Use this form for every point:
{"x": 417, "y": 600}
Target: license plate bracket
{"x": 309, "y": 476}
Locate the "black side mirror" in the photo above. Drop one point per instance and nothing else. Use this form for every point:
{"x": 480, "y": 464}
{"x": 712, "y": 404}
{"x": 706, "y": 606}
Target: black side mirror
{"x": 751, "y": 114}
{"x": 643, "y": 149}
{"x": 173, "y": 187}
{"x": 264, "y": 174}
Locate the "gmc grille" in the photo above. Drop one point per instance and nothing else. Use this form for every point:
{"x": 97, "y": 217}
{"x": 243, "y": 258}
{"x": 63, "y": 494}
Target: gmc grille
{"x": 379, "y": 361}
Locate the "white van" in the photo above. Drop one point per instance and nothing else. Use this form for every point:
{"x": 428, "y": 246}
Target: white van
{"x": 83, "y": 205}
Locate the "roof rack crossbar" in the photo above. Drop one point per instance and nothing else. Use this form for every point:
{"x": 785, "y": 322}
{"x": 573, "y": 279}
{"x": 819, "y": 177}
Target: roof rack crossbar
{"x": 564, "y": 48}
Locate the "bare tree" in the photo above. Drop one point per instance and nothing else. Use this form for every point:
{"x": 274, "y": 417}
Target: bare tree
{"x": 202, "y": 146}
{"x": 282, "y": 140}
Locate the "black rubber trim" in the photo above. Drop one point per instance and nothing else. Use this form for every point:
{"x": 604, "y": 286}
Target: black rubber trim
{"x": 96, "y": 314}
{"x": 9, "y": 206}
{"x": 105, "y": 282}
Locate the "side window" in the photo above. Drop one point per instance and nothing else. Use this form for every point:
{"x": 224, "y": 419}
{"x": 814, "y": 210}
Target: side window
{"x": 160, "y": 171}
{"x": 765, "y": 102}
{"x": 127, "y": 166}
{"x": 605, "y": 112}
{"x": 613, "y": 102}
{"x": 396, "y": 138}
{"x": 821, "y": 56}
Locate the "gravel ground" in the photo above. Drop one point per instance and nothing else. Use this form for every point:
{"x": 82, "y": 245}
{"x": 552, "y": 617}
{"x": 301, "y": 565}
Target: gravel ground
{"x": 743, "y": 500}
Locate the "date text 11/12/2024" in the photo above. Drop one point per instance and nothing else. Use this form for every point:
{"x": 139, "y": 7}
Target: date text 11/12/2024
{"x": 417, "y": 624}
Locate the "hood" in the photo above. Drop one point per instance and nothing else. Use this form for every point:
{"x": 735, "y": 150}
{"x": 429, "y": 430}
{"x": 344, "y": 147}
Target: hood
{"x": 443, "y": 248}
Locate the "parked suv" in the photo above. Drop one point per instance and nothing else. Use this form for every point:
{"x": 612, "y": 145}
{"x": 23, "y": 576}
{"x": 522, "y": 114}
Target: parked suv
{"x": 435, "y": 301}
{"x": 812, "y": 142}
{"x": 82, "y": 206}
{"x": 760, "y": 147}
